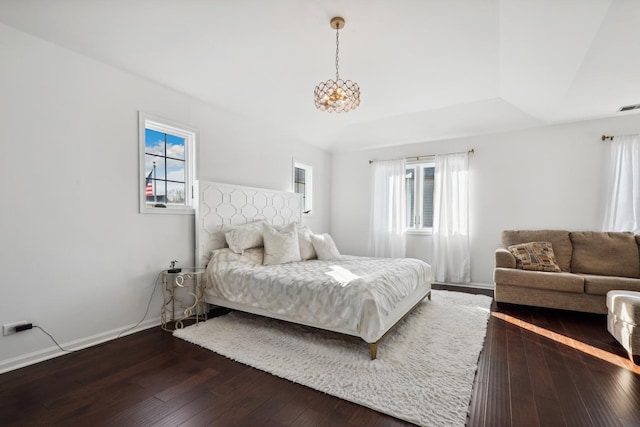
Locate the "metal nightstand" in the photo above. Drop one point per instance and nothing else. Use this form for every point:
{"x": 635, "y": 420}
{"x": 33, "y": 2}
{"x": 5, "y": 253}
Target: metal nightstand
{"x": 176, "y": 308}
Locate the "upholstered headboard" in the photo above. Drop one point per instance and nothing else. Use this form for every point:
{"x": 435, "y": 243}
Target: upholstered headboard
{"x": 219, "y": 204}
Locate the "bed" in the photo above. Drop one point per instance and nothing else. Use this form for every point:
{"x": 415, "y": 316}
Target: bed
{"x": 358, "y": 296}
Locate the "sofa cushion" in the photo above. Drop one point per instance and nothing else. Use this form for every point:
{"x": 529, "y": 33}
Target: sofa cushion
{"x": 559, "y": 240}
{"x": 536, "y": 256}
{"x": 562, "y": 282}
{"x": 605, "y": 253}
{"x": 600, "y": 285}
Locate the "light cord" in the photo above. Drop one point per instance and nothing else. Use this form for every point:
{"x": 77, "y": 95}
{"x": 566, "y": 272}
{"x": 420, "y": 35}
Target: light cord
{"x": 122, "y": 332}
{"x": 155, "y": 285}
{"x": 54, "y": 340}
{"x": 337, "y": 51}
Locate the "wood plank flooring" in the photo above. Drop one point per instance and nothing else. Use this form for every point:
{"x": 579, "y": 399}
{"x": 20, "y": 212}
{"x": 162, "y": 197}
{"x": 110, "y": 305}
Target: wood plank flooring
{"x": 538, "y": 368}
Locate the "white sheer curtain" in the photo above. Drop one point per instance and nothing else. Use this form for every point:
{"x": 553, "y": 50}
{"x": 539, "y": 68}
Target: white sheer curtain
{"x": 451, "y": 218}
{"x": 386, "y": 235}
{"x": 623, "y": 185}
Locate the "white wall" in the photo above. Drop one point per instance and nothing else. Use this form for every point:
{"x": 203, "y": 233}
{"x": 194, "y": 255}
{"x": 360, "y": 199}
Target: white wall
{"x": 548, "y": 177}
{"x": 77, "y": 258}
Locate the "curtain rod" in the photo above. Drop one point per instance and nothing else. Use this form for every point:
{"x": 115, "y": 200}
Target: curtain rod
{"x": 427, "y": 155}
{"x": 605, "y": 137}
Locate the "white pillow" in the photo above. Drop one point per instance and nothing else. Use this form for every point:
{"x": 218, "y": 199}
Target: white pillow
{"x": 241, "y": 237}
{"x": 282, "y": 246}
{"x": 223, "y": 258}
{"x": 304, "y": 240}
{"x": 324, "y": 246}
{"x": 217, "y": 240}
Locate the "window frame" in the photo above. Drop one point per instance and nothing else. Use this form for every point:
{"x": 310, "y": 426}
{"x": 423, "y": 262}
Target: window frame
{"x": 190, "y": 135}
{"x": 307, "y": 209}
{"x": 419, "y": 166}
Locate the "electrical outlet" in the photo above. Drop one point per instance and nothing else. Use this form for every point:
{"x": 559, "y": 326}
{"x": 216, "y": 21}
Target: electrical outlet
{"x": 10, "y": 328}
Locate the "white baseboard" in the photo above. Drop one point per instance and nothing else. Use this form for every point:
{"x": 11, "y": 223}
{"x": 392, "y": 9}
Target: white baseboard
{"x": 490, "y": 286}
{"x": 53, "y": 351}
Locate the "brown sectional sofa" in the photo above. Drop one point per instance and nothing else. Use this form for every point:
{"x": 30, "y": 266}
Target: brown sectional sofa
{"x": 592, "y": 263}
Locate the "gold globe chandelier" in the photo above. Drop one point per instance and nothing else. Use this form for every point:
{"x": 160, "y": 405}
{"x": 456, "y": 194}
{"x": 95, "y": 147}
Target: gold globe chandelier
{"x": 337, "y": 95}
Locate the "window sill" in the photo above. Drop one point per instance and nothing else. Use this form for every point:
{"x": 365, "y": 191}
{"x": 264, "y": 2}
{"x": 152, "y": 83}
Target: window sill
{"x": 170, "y": 211}
{"x": 419, "y": 232}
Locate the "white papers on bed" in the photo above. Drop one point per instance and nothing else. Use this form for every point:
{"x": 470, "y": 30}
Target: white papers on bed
{"x": 341, "y": 275}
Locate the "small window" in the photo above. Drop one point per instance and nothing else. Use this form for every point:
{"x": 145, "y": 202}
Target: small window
{"x": 302, "y": 184}
{"x": 167, "y": 165}
{"x": 419, "y": 192}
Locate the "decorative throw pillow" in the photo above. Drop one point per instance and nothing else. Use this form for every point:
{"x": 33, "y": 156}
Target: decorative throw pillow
{"x": 324, "y": 246}
{"x": 304, "y": 240}
{"x": 281, "y": 246}
{"x": 537, "y": 256}
{"x": 241, "y": 237}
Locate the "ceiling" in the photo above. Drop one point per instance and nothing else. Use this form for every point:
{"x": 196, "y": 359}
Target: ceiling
{"x": 427, "y": 69}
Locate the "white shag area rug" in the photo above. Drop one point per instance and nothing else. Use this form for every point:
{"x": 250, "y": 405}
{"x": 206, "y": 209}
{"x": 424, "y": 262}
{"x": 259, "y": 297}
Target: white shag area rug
{"x": 424, "y": 372}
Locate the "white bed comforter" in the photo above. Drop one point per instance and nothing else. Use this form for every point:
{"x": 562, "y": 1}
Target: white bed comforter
{"x": 355, "y": 297}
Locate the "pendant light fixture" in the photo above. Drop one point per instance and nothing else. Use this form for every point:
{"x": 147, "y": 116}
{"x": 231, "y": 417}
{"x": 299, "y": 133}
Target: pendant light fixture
{"x": 337, "y": 95}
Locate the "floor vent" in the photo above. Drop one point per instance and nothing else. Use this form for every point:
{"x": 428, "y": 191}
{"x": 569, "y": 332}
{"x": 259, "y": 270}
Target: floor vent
{"x": 629, "y": 107}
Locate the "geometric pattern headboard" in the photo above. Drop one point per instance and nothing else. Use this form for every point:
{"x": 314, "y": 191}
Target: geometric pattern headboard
{"x": 219, "y": 204}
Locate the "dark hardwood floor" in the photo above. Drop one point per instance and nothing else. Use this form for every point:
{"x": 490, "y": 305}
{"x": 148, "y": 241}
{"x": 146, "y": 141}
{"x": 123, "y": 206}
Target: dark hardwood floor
{"x": 538, "y": 368}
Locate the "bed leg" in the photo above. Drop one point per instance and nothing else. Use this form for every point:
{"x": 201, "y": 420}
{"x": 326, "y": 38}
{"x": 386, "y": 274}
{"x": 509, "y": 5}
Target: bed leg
{"x": 429, "y": 295}
{"x": 373, "y": 350}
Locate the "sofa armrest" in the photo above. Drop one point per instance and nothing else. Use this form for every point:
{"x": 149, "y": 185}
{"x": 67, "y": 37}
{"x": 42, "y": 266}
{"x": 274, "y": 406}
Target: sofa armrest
{"x": 505, "y": 259}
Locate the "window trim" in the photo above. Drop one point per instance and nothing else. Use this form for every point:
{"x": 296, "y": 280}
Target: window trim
{"x": 191, "y": 135}
{"x": 419, "y": 166}
{"x": 308, "y": 189}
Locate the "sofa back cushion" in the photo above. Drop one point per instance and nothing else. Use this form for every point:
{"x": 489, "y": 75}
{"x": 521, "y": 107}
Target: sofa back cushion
{"x": 605, "y": 253}
{"x": 559, "y": 239}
